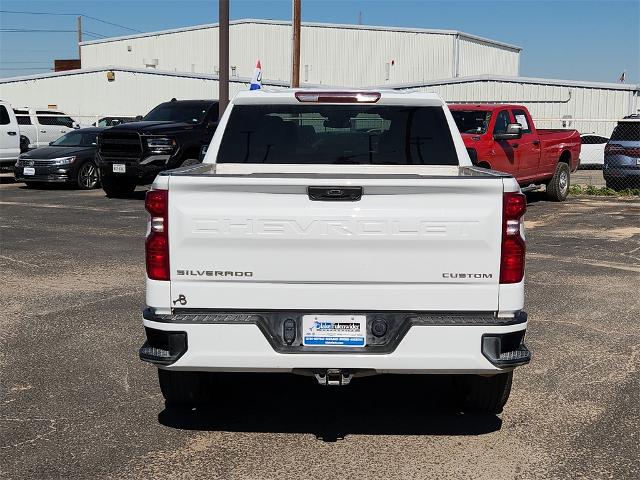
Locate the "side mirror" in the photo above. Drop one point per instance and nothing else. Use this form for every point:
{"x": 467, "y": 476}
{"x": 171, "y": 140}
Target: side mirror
{"x": 513, "y": 132}
{"x": 76, "y": 125}
{"x": 50, "y": 143}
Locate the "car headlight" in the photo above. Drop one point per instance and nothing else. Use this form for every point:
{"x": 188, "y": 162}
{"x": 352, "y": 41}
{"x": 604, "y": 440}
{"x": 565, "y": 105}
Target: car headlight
{"x": 161, "y": 145}
{"x": 62, "y": 160}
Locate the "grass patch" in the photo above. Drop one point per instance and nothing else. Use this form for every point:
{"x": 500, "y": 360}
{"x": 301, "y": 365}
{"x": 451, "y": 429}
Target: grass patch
{"x": 603, "y": 191}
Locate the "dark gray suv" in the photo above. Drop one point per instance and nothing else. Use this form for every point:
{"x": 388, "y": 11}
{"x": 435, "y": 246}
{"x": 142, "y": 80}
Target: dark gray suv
{"x": 622, "y": 155}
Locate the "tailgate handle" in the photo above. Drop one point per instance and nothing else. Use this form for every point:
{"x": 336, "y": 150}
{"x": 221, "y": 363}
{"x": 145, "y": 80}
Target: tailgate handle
{"x": 335, "y": 194}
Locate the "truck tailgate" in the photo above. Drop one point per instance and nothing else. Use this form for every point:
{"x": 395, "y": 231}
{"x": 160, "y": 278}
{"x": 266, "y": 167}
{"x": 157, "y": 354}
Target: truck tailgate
{"x": 260, "y": 242}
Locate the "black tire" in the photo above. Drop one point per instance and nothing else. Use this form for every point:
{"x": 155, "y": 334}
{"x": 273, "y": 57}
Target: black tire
{"x": 186, "y": 389}
{"x": 558, "y": 186}
{"x": 485, "y": 394}
{"x": 189, "y": 161}
{"x": 614, "y": 184}
{"x": 118, "y": 188}
{"x": 87, "y": 177}
{"x": 24, "y": 144}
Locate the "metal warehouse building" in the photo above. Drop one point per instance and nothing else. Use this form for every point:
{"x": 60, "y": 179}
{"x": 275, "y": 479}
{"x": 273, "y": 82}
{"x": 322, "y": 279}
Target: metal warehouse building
{"x": 89, "y": 94}
{"x": 330, "y": 54}
{"x": 589, "y": 107}
{"x": 127, "y": 76}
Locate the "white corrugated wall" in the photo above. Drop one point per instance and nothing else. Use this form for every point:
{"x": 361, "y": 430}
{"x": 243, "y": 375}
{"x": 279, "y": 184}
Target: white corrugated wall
{"x": 590, "y": 109}
{"x": 329, "y": 55}
{"x": 476, "y": 59}
{"x": 88, "y": 95}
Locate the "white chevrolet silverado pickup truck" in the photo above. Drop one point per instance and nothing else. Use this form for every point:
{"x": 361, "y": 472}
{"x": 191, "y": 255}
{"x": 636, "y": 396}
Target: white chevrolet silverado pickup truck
{"x": 336, "y": 235}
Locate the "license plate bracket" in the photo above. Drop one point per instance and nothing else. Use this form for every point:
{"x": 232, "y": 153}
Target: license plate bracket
{"x": 334, "y": 330}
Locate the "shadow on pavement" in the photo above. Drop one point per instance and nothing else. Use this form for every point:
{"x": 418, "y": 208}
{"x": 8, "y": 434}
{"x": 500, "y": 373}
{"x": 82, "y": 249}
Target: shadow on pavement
{"x": 381, "y": 405}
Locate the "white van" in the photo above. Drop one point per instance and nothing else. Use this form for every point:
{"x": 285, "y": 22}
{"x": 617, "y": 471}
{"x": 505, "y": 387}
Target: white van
{"x": 9, "y": 136}
{"x": 40, "y": 127}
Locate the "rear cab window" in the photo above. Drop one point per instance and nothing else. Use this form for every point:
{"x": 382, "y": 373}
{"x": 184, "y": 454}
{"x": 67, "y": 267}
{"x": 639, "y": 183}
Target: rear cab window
{"x": 472, "y": 121}
{"x": 337, "y": 134}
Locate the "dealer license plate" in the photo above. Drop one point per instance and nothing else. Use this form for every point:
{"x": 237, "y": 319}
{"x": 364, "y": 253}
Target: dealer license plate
{"x": 29, "y": 171}
{"x": 334, "y": 330}
{"x": 119, "y": 168}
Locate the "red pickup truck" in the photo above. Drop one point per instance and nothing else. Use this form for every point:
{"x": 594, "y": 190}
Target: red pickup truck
{"x": 504, "y": 138}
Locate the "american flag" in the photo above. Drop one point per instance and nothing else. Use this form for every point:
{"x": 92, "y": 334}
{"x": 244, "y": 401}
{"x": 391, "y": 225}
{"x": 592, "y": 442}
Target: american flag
{"x": 256, "y": 81}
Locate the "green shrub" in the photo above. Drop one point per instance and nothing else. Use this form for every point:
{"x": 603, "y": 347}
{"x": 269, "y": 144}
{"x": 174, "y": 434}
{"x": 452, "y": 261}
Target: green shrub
{"x": 603, "y": 191}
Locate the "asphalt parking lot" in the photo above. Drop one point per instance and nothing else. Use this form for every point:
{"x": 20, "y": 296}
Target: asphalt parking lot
{"x": 77, "y": 403}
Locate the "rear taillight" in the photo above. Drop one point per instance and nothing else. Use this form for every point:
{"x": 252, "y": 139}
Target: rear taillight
{"x": 157, "y": 244}
{"x": 337, "y": 97}
{"x": 632, "y": 152}
{"x": 513, "y": 246}
{"x": 613, "y": 149}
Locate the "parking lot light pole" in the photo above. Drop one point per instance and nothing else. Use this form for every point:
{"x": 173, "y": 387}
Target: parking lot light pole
{"x": 223, "y": 55}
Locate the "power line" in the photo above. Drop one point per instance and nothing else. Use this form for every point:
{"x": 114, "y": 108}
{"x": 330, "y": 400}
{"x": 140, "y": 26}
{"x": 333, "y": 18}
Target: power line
{"x": 22, "y": 12}
{"x": 33, "y": 30}
{"x": 27, "y": 68}
{"x": 110, "y": 23}
{"x": 94, "y": 34}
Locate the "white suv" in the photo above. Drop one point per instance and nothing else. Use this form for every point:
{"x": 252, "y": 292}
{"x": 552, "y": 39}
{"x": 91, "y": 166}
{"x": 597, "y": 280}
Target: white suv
{"x": 40, "y": 127}
{"x": 9, "y": 135}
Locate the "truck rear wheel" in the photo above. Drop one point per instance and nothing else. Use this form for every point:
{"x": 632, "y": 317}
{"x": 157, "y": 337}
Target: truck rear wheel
{"x": 485, "y": 394}
{"x": 185, "y": 389}
{"x": 558, "y": 186}
{"x": 118, "y": 189}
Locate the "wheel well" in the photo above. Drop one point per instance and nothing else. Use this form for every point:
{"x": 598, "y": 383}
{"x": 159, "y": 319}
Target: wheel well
{"x": 565, "y": 157}
{"x": 484, "y": 165}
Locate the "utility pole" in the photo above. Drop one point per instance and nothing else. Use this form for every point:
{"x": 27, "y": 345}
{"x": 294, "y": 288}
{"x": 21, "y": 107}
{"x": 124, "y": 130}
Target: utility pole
{"x": 79, "y": 36}
{"x": 295, "y": 58}
{"x": 223, "y": 55}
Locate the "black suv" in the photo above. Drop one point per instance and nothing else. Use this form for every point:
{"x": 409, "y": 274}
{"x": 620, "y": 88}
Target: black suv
{"x": 169, "y": 136}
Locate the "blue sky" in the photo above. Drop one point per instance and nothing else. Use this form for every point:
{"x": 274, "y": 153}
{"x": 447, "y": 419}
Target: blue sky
{"x": 566, "y": 39}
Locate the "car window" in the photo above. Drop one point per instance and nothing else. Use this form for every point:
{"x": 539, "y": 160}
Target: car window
{"x": 502, "y": 120}
{"x": 471, "y": 121}
{"x": 521, "y": 118}
{"x": 627, "y": 131}
{"x": 22, "y": 116}
{"x": 46, "y": 117}
{"x": 4, "y": 116}
{"x": 337, "y": 134}
{"x": 593, "y": 140}
{"x": 76, "y": 139}
{"x": 178, "y": 112}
